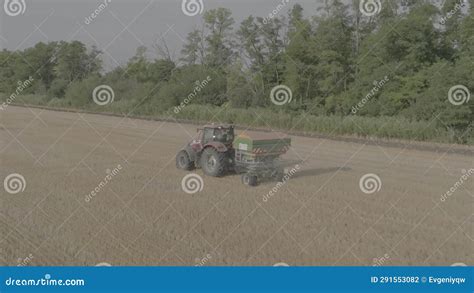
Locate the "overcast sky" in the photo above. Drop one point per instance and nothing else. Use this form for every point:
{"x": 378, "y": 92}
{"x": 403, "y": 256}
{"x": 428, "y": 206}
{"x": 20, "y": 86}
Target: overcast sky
{"x": 122, "y": 25}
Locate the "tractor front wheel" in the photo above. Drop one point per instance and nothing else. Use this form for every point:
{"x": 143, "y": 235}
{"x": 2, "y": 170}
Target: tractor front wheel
{"x": 183, "y": 162}
{"x": 213, "y": 163}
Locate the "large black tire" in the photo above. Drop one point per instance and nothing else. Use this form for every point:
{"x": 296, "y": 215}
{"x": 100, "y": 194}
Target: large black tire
{"x": 213, "y": 163}
{"x": 183, "y": 162}
{"x": 250, "y": 180}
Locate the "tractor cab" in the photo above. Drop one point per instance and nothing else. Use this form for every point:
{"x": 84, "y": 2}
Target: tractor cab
{"x": 217, "y": 133}
{"x": 211, "y": 150}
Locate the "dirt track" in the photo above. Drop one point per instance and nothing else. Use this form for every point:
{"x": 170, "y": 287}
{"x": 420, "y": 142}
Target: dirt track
{"x": 143, "y": 217}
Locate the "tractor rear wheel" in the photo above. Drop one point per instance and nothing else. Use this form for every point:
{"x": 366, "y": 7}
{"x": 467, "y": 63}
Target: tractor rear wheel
{"x": 213, "y": 163}
{"x": 183, "y": 162}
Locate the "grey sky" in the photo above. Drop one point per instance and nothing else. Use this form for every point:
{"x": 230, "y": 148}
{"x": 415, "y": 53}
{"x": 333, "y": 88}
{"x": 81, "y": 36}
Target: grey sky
{"x": 122, "y": 25}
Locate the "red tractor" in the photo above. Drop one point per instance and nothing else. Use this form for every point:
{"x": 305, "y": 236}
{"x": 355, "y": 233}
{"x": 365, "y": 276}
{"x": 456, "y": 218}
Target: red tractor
{"x": 211, "y": 150}
{"x": 217, "y": 151}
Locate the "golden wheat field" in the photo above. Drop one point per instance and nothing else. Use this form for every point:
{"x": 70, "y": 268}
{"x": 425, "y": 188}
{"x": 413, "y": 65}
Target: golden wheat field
{"x": 142, "y": 216}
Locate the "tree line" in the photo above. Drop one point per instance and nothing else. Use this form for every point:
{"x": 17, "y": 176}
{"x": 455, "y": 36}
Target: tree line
{"x": 402, "y": 62}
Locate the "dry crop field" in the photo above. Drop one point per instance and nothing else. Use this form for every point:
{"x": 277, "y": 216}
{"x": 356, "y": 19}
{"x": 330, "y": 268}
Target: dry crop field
{"x": 142, "y": 216}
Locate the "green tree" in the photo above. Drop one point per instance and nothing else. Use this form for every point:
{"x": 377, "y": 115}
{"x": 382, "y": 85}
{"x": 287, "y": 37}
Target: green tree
{"x": 219, "y": 24}
{"x": 74, "y": 62}
{"x": 193, "y": 51}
